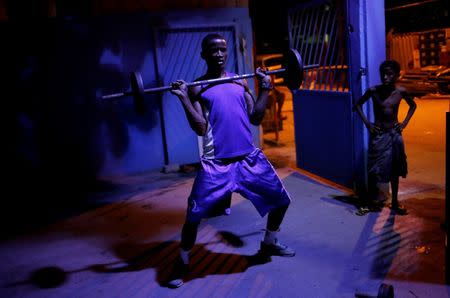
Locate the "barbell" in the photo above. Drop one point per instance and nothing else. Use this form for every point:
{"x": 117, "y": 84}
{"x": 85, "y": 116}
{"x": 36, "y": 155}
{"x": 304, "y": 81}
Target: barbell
{"x": 292, "y": 74}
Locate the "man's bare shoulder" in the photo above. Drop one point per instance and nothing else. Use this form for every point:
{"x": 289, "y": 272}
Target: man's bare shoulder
{"x": 195, "y": 90}
{"x": 246, "y": 86}
{"x": 243, "y": 83}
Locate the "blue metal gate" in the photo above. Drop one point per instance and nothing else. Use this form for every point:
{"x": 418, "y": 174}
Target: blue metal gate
{"x": 323, "y": 106}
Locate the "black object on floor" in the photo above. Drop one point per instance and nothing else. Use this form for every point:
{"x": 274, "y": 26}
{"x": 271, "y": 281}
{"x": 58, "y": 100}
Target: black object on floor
{"x": 384, "y": 291}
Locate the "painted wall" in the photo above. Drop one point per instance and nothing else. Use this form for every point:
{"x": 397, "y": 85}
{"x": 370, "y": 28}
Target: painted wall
{"x": 375, "y": 51}
{"x": 368, "y": 47}
{"x": 61, "y": 135}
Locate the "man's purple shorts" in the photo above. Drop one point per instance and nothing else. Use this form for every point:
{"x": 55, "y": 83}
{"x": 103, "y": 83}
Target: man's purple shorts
{"x": 251, "y": 175}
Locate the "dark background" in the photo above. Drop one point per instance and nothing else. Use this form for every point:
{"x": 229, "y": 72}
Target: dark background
{"x": 269, "y": 20}
{"x": 410, "y": 16}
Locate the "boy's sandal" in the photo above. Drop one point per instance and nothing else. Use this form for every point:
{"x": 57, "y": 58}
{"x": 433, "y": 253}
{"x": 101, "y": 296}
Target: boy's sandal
{"x": 362, "y": 211}
{"x": 376, "y": 207}
{"x": 399, "y": 209}
{"x": 366, "y": 209}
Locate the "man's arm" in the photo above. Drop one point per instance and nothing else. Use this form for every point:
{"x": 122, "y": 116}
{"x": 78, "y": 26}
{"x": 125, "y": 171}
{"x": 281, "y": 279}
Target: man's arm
{"x": 256, "y": 109}
{"x": 358, "y": 107}
{"x": 412, "y": 108}
{"x": 191, "y": 105}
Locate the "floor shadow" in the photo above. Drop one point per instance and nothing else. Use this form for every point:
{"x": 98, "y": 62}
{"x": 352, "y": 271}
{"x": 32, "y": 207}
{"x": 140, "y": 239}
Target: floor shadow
{"x": 355, "y": 275}
{"x": 422, "y": 249}
{"x": 161, "y": 256}
{"x": 353, "y": 204}
{"x": 387, "y": 243}
{"x": 204, "y": 261}
{"x": 403, "y": 248}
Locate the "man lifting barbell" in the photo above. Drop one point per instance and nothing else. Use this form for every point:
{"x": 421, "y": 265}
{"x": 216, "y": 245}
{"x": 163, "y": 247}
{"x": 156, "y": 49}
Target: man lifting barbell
{"x": 222, "y": 113}
{"x": 220, "y": 107}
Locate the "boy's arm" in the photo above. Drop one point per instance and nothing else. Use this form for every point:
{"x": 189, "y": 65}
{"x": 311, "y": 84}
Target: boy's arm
{"x": 256, "y": 109}
{"x": 358, "y": 108}
{"x": 412, "y": 108}
{"x": 191, "y": 105}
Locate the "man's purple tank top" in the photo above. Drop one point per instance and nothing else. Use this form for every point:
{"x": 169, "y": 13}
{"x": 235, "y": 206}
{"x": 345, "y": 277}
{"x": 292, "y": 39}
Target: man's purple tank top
{"x": 228, "y": 133}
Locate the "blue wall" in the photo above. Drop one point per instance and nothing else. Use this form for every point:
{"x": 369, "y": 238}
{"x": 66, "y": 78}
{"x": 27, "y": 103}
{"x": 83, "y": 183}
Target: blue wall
{"x": 60, "y": 133}
{"x": 367, "y": 48}
{"x": 375, "y": 38}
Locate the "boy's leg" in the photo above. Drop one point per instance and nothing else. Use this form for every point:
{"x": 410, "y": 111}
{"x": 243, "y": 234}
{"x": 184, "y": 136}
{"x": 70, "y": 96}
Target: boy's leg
{"x": 399, "y": 209}
{"x": 394, "y": 190}
{"x": 373, "y": 189}
{"x": 368, "y": 200}
{"x": 181, "y": 266}
{"x": 383, "y": 193}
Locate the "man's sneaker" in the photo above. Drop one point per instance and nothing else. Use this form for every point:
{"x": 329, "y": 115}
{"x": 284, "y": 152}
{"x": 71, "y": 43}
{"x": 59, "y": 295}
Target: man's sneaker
{"x": 276, "y": 249}
{"x": 179, "y": 271}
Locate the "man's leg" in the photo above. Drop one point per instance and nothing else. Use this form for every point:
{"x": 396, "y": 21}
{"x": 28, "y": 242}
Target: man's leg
{"x": 260, "y": 184}
{"x": 270, "y": 244}
{"x": 188, "y": 237}
{"x": 275, "y": 218}
{"x": 181, "y": 266}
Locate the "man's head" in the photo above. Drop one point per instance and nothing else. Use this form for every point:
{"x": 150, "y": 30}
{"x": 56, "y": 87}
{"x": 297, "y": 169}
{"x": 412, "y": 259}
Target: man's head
{"x": 389, "y": 71}
{"x": 214, "y": 50}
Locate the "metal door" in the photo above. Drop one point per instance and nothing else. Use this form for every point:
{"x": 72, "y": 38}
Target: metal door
{"x": 178, "y": 57}
{"x": 323, "y": 116}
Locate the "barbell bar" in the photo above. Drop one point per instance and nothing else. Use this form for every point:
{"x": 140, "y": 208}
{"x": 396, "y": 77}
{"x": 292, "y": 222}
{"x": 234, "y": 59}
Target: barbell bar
{"x": 292, "y": 75}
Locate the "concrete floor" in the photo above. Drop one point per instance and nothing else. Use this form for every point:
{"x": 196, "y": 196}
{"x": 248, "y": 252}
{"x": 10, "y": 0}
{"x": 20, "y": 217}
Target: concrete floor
{"x": 423, "y": 189}
{"x": 125, "y": 246}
